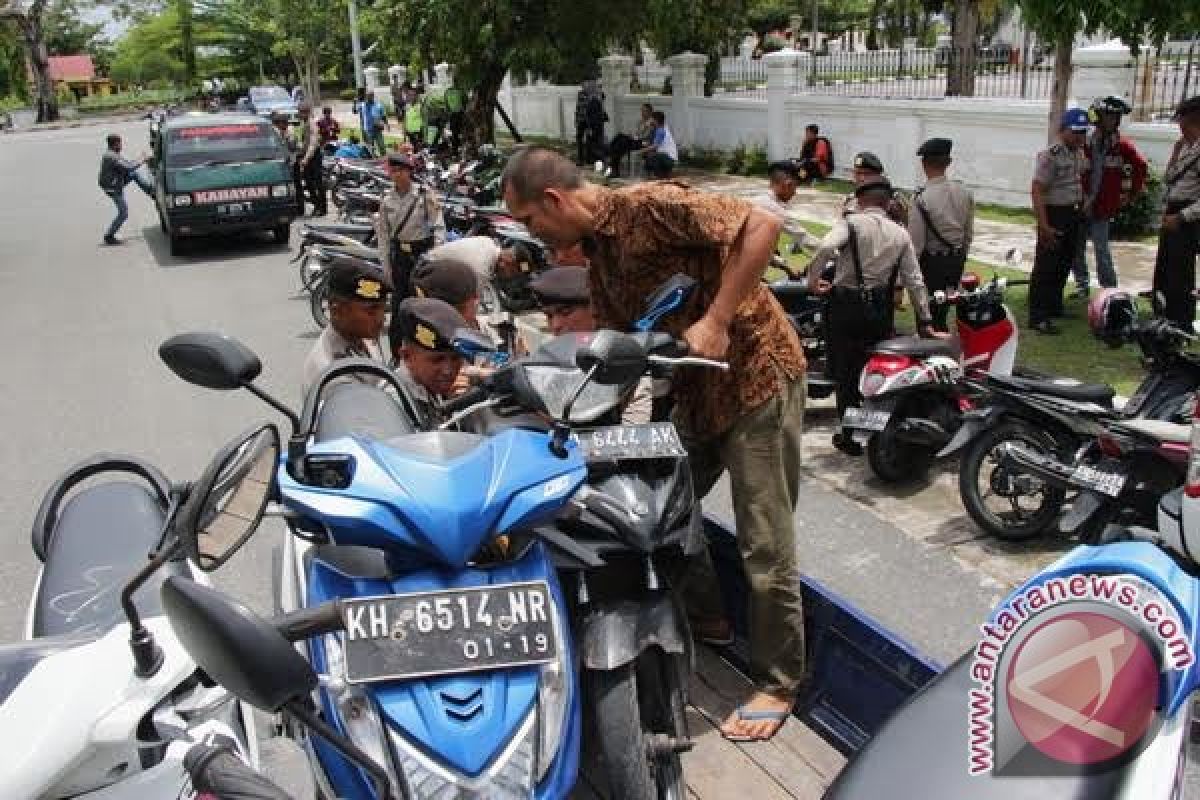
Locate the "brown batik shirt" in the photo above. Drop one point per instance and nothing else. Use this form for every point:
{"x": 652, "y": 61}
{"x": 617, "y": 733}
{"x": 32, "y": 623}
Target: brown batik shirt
{"x": 647, "y": 233}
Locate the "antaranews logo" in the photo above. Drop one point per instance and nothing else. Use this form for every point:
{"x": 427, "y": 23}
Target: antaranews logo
{"x": 1067, "y": 676}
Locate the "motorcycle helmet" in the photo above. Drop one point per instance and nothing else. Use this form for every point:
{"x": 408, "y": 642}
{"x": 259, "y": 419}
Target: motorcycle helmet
{"x": 1108, "y": 105}
{"x": 1111, "y": 315}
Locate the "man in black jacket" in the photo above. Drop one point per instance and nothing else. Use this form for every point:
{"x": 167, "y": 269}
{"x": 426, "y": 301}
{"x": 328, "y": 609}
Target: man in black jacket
{"x": 115, "y": 173}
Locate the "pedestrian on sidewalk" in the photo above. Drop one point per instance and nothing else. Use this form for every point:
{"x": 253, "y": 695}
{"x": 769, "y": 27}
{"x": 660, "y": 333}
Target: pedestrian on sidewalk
{"x": 1179, "y": 239}
{"x": 943, "y": 225}
{"x": 373, "y": 120}
{"x": 1057, "y": 194}
{"x": 414, "y": 121}
{"x": 115, "y": 173}
{"x": 747, "y": 420}
{"x": 1114, "y": 174}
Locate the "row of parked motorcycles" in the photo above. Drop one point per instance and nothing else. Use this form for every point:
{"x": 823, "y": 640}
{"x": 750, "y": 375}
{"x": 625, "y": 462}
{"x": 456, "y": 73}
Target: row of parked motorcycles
{"x": 1036, "y": 452}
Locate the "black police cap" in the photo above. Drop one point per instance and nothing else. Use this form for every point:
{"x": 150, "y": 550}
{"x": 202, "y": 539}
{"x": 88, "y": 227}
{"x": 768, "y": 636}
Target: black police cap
{"x": 445, "y": 279}
{"x": 427, "y": 322}
{"x": 935, "y": 148}
{"x": 562, "y": 286}
{"x": 1189, "y": 106}
{"x": 358, "y": 281}
{"x": 880, "y": 184}
{"x": 868, "y": 161}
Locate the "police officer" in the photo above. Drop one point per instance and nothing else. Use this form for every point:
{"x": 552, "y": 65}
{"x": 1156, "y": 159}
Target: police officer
{"x": 357, "y": 303}
{"x": 1057, "y": 201}
{"x": 451, "y": 281}
{"x": 872, "y": 254}
{"x": 421, "y": 335}
{"x": 282, "y": 126}
{"x": 941, "y": 224}
{"x": 409, "y": 224}
{"x": 565, "y": 297}
{"x": 309, "y": 154}
{"x": 1179, "y": 239}
{"x": 868, "y": 167}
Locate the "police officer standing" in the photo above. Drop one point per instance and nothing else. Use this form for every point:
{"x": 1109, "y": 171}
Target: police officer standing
{"x": 872, "y": 254}
{"x": 1179, "y": 239}
{"x": 309, "y": 148}
{"x": 941, "y": 224}
{"x": 1057, "y": 201}
{"x": 868, "y": 167}
{"x": 409, "y": 225}
{"x": 421, "y": 335}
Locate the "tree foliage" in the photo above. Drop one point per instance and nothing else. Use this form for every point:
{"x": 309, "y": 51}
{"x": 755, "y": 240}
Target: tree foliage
{"x": 12, "y": 63}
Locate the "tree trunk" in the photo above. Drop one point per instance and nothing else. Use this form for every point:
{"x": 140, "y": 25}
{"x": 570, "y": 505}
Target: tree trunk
{"x": 960, "y": 73}
{"x": 873, "y": 24}
{"x": 479, "y": 127}
{"x": 186, "y": 43}
{"x": 311, "y": 77}
{"x": 30, "y": 25}
{"x": 1063, "y": 66}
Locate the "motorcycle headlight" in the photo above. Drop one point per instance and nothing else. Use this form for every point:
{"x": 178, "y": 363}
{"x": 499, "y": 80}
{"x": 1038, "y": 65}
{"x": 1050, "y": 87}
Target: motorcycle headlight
{"x": 554, "y": 694}
{"x": 357, "y": 710}
{"x": 281, "y": 190}
{"x": 178, "y": 200}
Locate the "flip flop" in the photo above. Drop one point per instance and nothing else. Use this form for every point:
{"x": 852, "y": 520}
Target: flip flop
{"x": 747, "y": 715}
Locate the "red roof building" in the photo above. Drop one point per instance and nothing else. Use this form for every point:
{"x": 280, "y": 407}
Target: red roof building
{"x": 72, "y": 68}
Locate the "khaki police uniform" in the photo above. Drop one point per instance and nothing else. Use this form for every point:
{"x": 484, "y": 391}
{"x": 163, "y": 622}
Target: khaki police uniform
{"x": 941, "y": 225}
{"x": 309, "y": 147}
{"x": 428, "y": 323}
{"x": 860, "y": 308}
{"x": 408, "y": 226}
{"x": 359, "y": 282}
{"x": 1175, "y": 264}
{"x": 1059, "y": 170}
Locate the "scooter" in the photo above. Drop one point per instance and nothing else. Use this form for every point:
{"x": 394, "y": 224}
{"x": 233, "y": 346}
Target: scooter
{"x": 102, "y": 700}
{"x": 914, "y": 392}
{"x": 965, "y": 751}
{"x": 447, "y": 667}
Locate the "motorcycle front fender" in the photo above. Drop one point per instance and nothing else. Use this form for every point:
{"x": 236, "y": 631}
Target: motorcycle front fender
{"x": 973, "y": 423}
{"x": 614, "y": 634}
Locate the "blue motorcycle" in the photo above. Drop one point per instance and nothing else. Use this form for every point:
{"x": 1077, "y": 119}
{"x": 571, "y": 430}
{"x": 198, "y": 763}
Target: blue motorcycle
{"x": 420, "y": 583}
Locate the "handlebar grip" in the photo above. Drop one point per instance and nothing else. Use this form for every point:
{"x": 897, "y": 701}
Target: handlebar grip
{"x": 465, "y": 400}
{"x": 309, "y": 622}
{"x": 219, "y": 772}
{"x": 1018, "y": 282}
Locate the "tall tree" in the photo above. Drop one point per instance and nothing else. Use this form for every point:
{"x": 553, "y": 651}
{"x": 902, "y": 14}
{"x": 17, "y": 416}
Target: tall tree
{"x": 187, "y": 41}
{"x": 964, "y": 36}
{"x": 66, "y": 30}
{"x": 29, "y": 23}
{"x": 12, "y": 63}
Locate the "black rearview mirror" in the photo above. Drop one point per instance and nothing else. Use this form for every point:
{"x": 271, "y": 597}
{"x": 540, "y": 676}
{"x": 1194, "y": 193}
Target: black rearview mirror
{"x": 211, "y": 360}
{"x": 227, "y": 502}
{"x": 616, "y": 358}
{"x": 236, "y": 648}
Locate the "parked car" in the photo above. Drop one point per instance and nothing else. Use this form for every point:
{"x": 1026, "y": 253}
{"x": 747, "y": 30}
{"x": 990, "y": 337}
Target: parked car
{"x": 266, "y": 100}
{"x": 218, "y": 173}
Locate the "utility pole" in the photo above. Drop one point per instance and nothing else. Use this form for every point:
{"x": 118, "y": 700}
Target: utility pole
{"x": 359, "y": 81}
{"x": 812, "y": 50}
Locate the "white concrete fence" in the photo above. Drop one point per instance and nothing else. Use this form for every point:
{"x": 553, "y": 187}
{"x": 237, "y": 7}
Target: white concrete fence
{"x": 995, "y": 139}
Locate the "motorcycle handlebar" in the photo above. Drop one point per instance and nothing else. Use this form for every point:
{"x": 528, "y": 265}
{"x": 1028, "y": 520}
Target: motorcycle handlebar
{"x": 477, "y": 394}
{"x": 219, "y": 772}
{"x": 308, "y": 622}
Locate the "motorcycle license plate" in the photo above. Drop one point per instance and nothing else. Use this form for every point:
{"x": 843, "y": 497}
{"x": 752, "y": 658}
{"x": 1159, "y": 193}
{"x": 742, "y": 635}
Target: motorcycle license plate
{"x": 1098, "y": 480}
{"x": 626, "y": 442}
{"x": 407, "y": 636}
{"x": 865, "y": 419}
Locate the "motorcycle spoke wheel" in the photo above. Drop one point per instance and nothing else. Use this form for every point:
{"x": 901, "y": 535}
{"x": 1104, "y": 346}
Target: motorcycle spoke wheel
{"x": 1009, "y": 505}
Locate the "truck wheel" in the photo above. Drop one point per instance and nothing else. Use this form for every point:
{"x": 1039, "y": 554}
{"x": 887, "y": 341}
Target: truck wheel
{"x": 176, "y": 244}
{"x": 281, "y": 233}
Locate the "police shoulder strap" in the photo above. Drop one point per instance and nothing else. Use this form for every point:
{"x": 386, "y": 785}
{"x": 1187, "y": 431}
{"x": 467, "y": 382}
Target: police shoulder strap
{"x": 858, "y": 271}
{"x": 407, "y": 215}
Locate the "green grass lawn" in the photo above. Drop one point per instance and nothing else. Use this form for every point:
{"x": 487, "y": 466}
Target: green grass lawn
{"x": 1074, "y": 353}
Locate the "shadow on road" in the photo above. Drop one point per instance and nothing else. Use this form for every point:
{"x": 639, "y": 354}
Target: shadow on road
{"x": 206, "y": 249}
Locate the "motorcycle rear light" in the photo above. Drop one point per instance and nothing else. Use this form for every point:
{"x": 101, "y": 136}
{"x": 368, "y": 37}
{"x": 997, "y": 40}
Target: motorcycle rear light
{"x": 887, "y": 365}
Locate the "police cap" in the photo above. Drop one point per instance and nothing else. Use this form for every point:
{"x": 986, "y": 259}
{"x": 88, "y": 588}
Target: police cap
{"x": 879, "y": 184}
{"x": 1189, "y": 106}
{"x": 787, "y": 167}
{"x": 935, "y": 148}
{"x": 397, "y": 159}
{"x": 869, "y": 162}
{"x": 426, "y": 322}
{"x": 355, "y": 280}
{"x": 446, "y": 279}
{"x": 562, "y": 286}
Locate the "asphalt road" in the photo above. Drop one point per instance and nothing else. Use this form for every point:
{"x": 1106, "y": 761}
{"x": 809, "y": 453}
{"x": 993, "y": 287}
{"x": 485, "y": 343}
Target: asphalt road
{"x": 81, "y": 375}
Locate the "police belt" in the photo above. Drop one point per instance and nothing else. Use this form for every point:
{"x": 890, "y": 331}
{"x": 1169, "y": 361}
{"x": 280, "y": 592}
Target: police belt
{"x": 852, "y": 295}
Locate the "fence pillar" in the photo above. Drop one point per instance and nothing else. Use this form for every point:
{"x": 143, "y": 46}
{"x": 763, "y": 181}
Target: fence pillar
{"x": 784, "y": 68}
{"x": 1102, "y": 70}
{"x": 687, "y": 82}
{"x": 616, "y": 72}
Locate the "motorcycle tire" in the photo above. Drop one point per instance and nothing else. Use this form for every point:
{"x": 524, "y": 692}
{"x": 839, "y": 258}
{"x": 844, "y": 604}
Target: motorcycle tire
{"x": 318, "y": 304}
{"x": 1011, "y": 486}
{"x": 894, "y": 461}
{"x": 311, "y": 270}
{"x": 633, "y": 706}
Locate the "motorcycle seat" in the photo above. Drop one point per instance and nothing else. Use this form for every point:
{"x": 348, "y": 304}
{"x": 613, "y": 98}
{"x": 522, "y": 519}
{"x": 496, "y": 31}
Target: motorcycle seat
{"x": 931, "y": 730}
{"x": 353, "y": 408}
{"x": 1159, "y": 429}
{"x": 920, "y": 348}
{"x": 1098, "y": 393}
{"x": 102, "y": 537}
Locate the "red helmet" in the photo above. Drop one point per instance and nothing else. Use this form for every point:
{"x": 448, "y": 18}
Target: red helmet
{"x": 1111, "y": 315}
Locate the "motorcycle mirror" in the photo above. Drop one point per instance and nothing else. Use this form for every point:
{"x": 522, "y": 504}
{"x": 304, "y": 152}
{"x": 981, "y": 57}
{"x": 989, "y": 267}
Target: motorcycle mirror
{"x": 612, "y": 358}
{"x": 471, "y": 343}
{"x": 1013, "y": 257}
{"x": 226, "y": 504}
{"x": 211, "y": 360}
{"x": 668, "y": 297}
{"x": 235, "y": 647}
